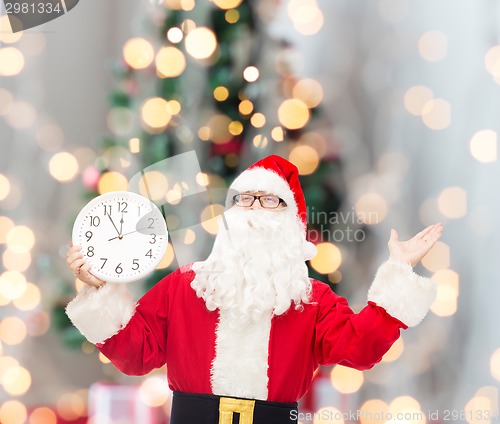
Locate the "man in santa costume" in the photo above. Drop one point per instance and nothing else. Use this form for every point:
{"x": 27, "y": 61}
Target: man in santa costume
{"x": 242, "y": 332}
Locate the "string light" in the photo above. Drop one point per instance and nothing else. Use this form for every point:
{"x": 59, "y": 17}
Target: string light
{"x": 138, "y": 53}
{"x": 201, "y": 43}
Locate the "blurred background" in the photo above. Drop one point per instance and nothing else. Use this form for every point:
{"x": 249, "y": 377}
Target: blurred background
{"x": 389, "y": 109}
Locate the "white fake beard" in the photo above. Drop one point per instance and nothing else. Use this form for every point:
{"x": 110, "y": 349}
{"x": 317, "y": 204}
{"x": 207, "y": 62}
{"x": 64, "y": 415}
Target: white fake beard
{"x": 256, "y": 267}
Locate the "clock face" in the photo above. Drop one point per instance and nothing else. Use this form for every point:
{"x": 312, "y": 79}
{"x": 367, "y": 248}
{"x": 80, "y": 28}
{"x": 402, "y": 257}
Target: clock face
{"x": 123, "y": 236}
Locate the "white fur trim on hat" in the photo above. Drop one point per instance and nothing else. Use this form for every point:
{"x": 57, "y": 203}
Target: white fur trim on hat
{"x": 100, "y": 313}
{"x": 402, "y": 293}
{"x": 262, "y": 179}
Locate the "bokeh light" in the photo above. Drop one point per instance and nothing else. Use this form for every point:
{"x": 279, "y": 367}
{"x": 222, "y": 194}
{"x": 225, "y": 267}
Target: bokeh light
{"x": 221, "y": 93}
{"x": 71, "y": 406}
{"x": 11, "y": 61}
{"x": 227, "y": 4}
{"x": 21, "y": 115}
{"x": 433, "y": 46}
{"x": 416, "y": 98}
{"x": 13, "y": 412}
{"x": 346, "y": 380}
{"x": 201, "y": 43}
{"x": 495, "y": 364}
{"x": 138, "y": 53}
{"x": 175, "y": 35}
{"x": 492, "y": 61}
{"x": 42, "y": 415}
{"x": 112, "y": 181}
{"x": 29, "y": 299}
{"x": 235, "y": 128}
{"x": 309, "y": 91}
{"x": 452, "y": 202}
{"x": 305, "y": 158}
{"x": 20, "y": 239}
{"x": 6, "y": 224}
{"x": 210, "y": 216}
{"x": 245, "y": 107}
{"x": 436, "y": 114}
{"x": 484, "y": 146}
{"x": 251, "y": 74}
{"x": 395, "y": 351}
{"x": 278, "y": 134}
{"x": 16, "y": 381}
{"x": 258, "y": 120}
{"x": 219, "y": 128}
{"x": 167, "y": 258}
{"x": 156, "y": 113}
{"x": 437, "y": 258}
{"x": 12, "y": 330}
{"x": 371, "y": 208}
{"x": 170, "y": 62}
{"x": 154, "y": 391}
{"x": 6, "y": 34}
{"x": 63, "y": 167}
{"x": 328, "y": 258}
{"x": 373, "y": 411}
{"x": 12, "y": 284}
{"x": 4, "y": 186}
{"x": 153, "y": 185}
{"x": 293, "y": 114}
{"x": 306, "y": 16}
{"x": 232, "y": 16}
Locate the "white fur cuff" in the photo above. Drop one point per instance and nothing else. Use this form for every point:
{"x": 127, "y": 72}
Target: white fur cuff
{"x": 101, "y": 313}
{"x": 402, "y": 293}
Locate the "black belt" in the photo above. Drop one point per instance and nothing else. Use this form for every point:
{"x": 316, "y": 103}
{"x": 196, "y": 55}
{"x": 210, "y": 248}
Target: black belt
{"x": 188, "y": 408}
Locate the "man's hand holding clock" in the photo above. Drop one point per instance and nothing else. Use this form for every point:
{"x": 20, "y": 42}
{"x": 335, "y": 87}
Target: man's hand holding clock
{"x": 104, "y": 252}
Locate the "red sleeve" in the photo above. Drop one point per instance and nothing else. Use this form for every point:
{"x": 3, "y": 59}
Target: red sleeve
{"x": 354, "y": 340}
{"x": 140, "y": 346}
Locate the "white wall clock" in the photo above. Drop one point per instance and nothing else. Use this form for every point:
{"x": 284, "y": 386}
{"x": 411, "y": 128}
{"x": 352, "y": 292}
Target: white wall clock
{"x": 123, "y": 236}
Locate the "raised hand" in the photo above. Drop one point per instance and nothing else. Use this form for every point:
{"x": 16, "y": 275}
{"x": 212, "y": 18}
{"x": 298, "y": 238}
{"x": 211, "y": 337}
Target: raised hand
{"x": 413, "y": 250}
{"x": 80, "y": 268}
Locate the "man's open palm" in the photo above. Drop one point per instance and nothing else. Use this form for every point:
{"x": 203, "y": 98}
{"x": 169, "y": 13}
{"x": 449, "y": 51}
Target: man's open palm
{"x": 413, "y": 250}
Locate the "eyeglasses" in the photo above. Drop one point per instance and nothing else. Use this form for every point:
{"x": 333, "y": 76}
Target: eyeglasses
{"x": 267, "y": 201}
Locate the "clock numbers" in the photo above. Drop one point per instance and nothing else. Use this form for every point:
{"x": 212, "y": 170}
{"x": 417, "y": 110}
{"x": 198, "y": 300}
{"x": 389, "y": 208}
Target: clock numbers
{"x": 90, "y": 251}
{"x": 152, "y": 222}
{"x": 104, "y": 262}
{"x": 150, "y": 253}
{"x": 118, "y": 268}
{"x": 122, "y": 207}
{"x": 135, "y": 266}
{"x": 95, "y": 221}
{"x": 107, "y": 210}
{"x": 89, "y": 235}
{"x": 153, "y": 240}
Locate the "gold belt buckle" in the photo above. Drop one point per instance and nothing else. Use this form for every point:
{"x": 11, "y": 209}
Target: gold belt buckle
{"x": 229, "y": 405}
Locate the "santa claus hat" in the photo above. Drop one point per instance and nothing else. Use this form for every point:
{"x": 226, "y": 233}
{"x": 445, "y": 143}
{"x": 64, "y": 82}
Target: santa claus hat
{"x": 278, "y": 176}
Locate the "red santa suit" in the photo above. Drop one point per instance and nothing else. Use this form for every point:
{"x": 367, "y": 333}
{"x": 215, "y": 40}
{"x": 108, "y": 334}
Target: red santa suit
{"x": 272, "y": 359}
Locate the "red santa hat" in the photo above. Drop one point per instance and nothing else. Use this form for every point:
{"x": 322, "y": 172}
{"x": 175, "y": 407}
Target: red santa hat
{"x": 278, "y": 176}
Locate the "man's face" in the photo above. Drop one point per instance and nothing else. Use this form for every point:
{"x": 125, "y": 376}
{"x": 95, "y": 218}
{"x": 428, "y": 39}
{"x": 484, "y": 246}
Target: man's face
{"x": 260, "y": 200}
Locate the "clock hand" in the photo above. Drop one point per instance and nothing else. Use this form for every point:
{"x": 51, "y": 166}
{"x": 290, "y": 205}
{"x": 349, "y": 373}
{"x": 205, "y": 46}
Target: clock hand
{"x": 126, "y": 234}
{"x": 121, "y": 226}
{"x": 111, "y": 219}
